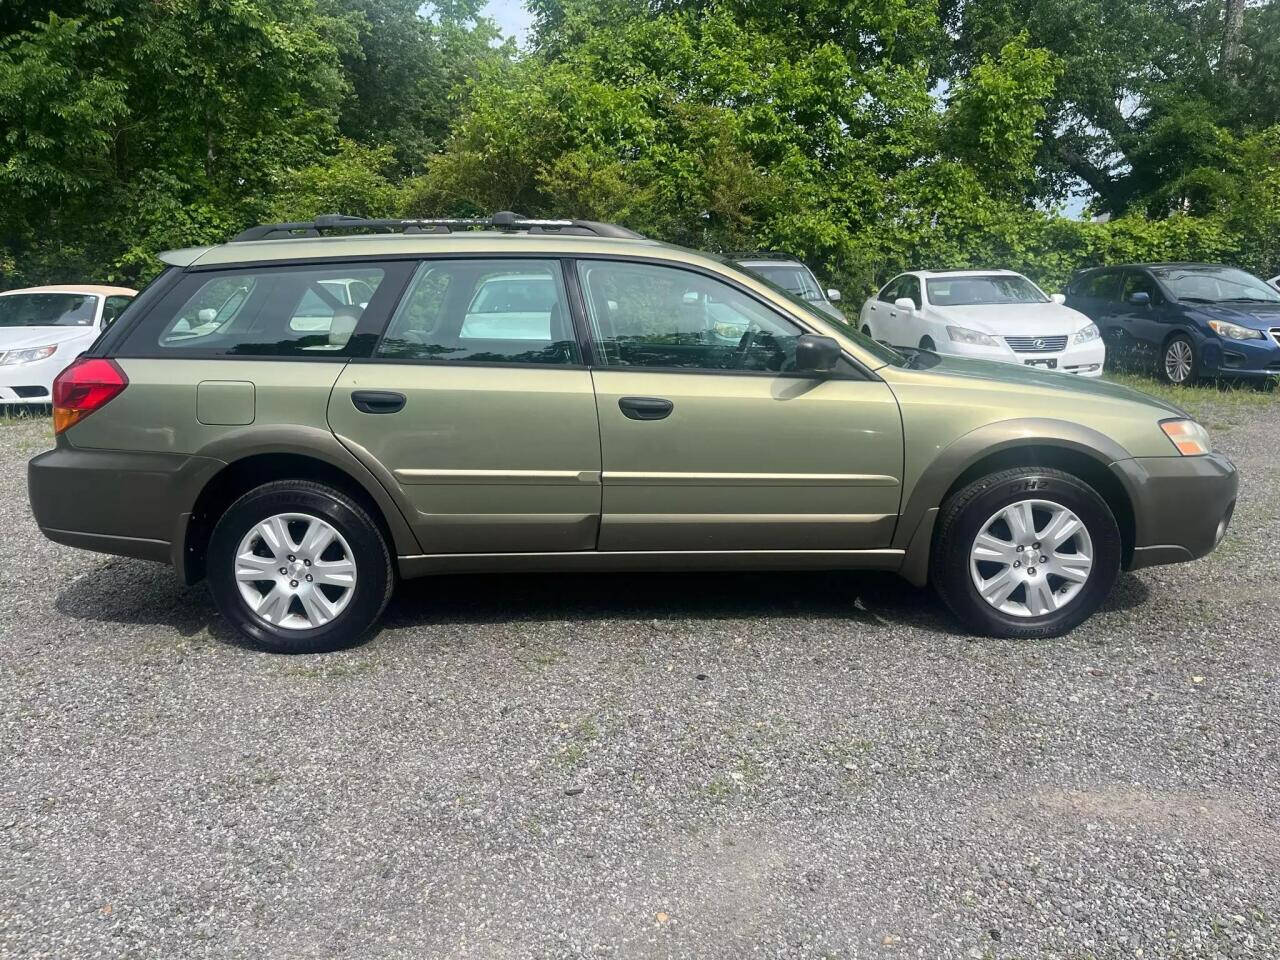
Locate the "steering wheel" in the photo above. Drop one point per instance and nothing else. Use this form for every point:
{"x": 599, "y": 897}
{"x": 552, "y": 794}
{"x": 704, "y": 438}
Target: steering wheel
{"x": 745, "y": 344}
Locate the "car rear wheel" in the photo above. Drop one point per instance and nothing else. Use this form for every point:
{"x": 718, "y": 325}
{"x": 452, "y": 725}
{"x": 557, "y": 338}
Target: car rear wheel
{"x": 299, "y": 567}
{"x": 1178, "y": 360}
{"x": 1025, "y": 553}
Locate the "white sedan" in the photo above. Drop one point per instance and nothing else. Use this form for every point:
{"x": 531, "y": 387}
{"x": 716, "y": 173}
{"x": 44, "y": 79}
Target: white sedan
{"x": 990, "y": 314}
{"x": 42, "y": 329}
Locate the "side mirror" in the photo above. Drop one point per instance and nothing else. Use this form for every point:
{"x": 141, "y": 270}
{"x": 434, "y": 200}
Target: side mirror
{"x": 833, "y": 295}
{"x": 1059, "y": 298}
{"x": 905, "y": 304}
{"x": 1140, "y": 297}
{"x": 815, "y": 353}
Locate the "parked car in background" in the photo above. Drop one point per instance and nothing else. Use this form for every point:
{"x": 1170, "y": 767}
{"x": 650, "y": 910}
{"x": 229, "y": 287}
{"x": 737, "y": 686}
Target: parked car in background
{"x": 42, "y": 329}
{"x": 793, "y": 276}
{"x": 988, "y": 314}
{"x": 667, "y": 411}
{"x": 1185, "y": 320}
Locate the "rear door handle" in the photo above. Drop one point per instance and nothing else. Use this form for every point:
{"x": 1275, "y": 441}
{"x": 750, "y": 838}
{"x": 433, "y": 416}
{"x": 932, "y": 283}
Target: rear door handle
{"x": 377, "y": 401}
{"x": 645, "y": 408}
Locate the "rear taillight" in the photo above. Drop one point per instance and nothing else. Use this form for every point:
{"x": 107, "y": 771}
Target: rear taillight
{"x": 86, "y": 385}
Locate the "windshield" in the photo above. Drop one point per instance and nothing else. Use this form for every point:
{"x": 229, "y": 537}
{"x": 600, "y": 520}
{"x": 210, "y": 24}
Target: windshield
{"x": 972, "y": 291}
{"x": 1215, "y": 284}
{"x": 875, "y": 347}
{"x": 48, "y": 310}
{"x": 792, "y": 277}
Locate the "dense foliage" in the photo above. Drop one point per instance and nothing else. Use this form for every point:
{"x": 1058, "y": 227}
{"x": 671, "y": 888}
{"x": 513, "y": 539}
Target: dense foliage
{"x": 864, "y": 135}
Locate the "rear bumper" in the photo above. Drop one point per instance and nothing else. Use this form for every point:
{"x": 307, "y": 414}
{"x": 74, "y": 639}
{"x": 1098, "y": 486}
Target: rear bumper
{"x": 111, "y": 501}
{"x": 1181, "y": 505}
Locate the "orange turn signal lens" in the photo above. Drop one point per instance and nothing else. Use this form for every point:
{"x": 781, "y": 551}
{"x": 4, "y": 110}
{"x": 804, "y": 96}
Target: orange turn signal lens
{"x": 1191, "y": 439}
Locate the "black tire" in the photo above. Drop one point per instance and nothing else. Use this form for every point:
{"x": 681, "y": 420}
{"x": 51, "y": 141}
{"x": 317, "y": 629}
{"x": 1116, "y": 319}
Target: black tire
{"x": 926, "y": 343}
{"x": 374, "y": 582}
{"x": 962, "y": 518}
{"x": 1165, "y": 361}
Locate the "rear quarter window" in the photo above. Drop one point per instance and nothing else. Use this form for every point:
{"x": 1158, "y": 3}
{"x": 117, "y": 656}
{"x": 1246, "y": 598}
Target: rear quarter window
{"x": 320, "y": 311}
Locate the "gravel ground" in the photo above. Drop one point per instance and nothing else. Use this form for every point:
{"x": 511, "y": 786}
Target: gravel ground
{"x": 711, "y": 766}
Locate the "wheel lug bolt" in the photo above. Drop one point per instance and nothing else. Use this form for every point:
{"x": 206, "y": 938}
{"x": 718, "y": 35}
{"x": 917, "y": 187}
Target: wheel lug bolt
{"x": 1036, "y": 545}
{"x": 307, "y": 562}
{"x": 293, "y": 583}
{"x": 1020, "y": 548}
{"x": 309, "y": 578}
{"x": 1044, "y": 559}
{"x": 292, "y": 558}
{"x": 1031, "y": 570}
{"x": 283, "y": 570}
{"x": 1016, "y": 563}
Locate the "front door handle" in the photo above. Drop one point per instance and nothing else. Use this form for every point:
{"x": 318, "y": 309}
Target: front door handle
{"x": 377, "y": 401}
{"x": 645, "y": 408}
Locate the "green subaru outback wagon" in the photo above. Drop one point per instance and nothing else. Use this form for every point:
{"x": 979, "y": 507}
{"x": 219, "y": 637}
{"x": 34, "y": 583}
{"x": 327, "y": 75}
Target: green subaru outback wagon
{"x": 313, "y": 411}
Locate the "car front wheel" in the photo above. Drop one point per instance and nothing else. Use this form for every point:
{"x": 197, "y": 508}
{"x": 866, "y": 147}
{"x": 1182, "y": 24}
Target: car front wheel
{"x": 299, "y": 567}
{"x": 1025, "y": 553}
{"x": 1178, "y": 361}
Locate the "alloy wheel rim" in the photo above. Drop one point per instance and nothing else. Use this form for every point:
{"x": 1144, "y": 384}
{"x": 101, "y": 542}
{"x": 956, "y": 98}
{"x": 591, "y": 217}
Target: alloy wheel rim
{"x": 295, "y": 571}
{"x": 1177, "y": 361}
{"x": 1031, "y": 558}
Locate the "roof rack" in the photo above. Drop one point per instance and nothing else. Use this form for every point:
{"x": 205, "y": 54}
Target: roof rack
{"x": 505, "y": 221}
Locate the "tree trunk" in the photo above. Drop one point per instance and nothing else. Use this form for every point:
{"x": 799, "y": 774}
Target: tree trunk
{"x": 1233, "y": 24}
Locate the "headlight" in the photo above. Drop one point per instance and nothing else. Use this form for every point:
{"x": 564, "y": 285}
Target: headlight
{"x": 1191, "y": 439}
{"x": 965, "y": 335}
{"x": 1087, "y": 333}
{"x": 30, "y": 355}
{"x": 1233, "y": 331}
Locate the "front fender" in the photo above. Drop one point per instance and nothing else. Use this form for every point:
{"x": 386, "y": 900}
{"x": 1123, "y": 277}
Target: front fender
{"x": 992, "y": 438}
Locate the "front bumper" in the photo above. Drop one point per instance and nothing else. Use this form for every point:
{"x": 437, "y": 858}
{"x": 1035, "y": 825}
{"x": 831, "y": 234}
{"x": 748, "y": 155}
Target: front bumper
{"x": 1181, "y": 506}
{"x": 112, "y": 501}
{"x": 1084, "y": 359}
{"x": 1241, "y": 358}
{"x": 32, "y": 383}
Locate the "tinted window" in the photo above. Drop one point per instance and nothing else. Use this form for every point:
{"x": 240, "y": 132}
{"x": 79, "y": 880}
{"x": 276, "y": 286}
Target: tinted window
{"x": 112, "y": 309}
{"x": 890, "y": 291}
{"x": 910, "y": 288}
{"x": 271, "y": 311}
{"x": 650, "y": 316}
{"x": 48, "y": 310}
{"x": 1103, "y": 285}
{"x": 484, "y": 311}
{"x": 1135, "y": 281}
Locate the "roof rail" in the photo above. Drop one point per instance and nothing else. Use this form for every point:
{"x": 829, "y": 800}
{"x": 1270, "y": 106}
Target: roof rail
{"x": 504, "y": 220}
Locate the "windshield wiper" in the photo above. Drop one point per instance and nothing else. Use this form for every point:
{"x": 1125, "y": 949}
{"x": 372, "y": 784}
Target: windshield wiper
{"x": 1248, "y": 300}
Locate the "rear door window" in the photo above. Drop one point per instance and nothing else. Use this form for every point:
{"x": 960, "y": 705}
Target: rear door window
{"x": 273, "y": 311}
{"x": 484, "y": 311}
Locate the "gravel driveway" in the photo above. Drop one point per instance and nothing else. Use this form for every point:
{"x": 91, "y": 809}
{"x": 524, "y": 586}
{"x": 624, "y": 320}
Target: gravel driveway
{"x": 772, "y": 765}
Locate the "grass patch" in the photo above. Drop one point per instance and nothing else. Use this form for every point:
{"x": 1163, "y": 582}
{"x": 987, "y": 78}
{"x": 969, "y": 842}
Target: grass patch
{"x": 1214, "y": 402}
